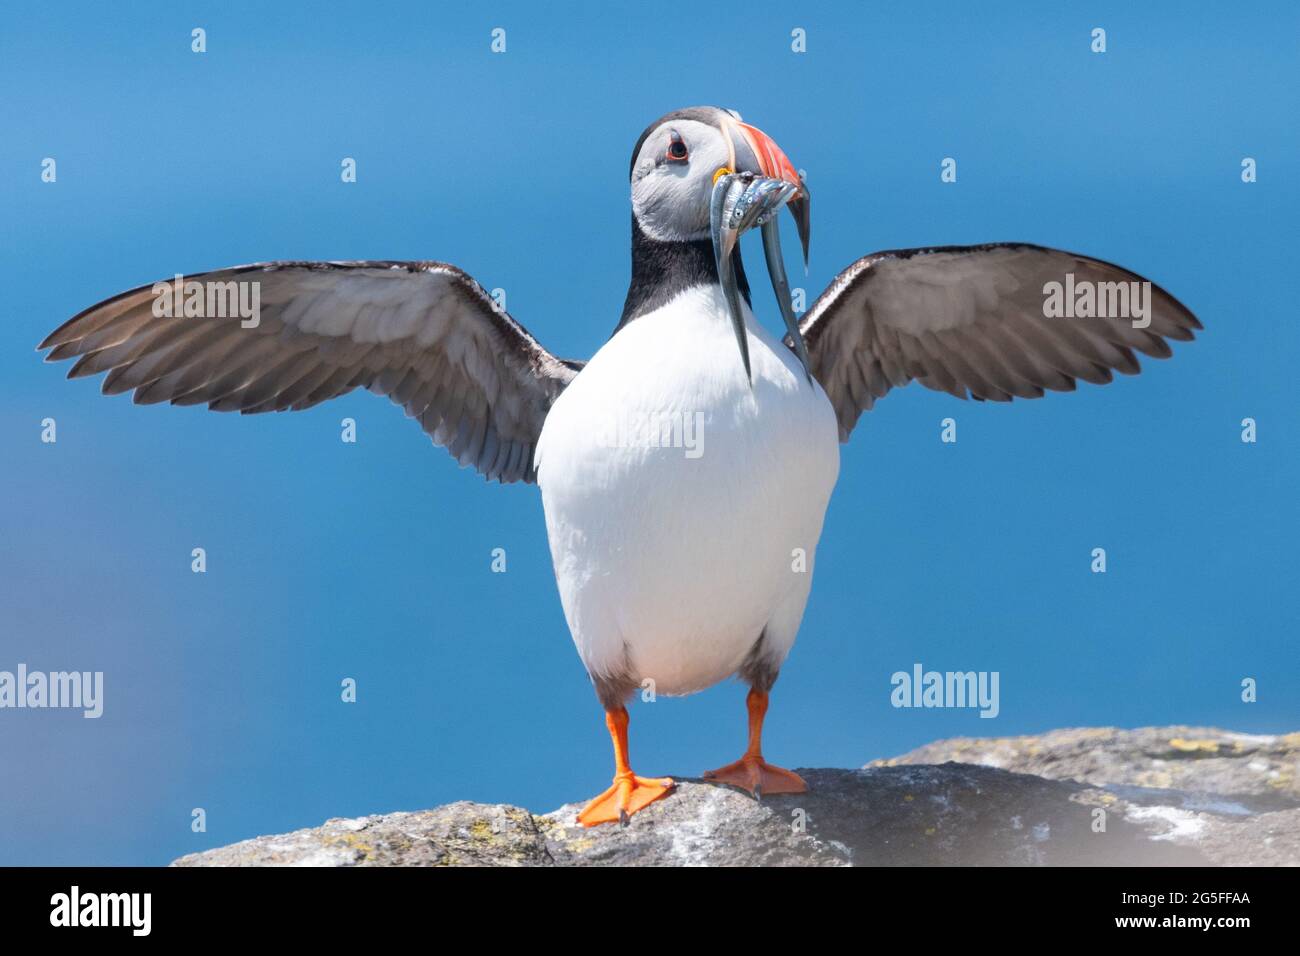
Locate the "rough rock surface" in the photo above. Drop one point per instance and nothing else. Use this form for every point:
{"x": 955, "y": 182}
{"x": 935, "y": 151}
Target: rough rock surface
{"x": 1171, "y": 795}
{"x": 1163, "y": 758}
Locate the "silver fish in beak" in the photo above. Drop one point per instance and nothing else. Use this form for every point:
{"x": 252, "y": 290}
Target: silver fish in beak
{"x": 739, "y": 202}
{"x": 781, "y": 286}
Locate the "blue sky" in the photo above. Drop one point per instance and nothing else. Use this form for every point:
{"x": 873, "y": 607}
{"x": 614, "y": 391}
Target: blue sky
{"x": 372, "y": 560}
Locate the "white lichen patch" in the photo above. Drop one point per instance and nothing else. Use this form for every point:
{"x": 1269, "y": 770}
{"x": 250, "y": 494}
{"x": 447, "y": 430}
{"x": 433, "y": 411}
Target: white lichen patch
{"x": 1258, "y": 740}
{"x": 350, "y": 826}
{"x": 692, "y": 839}
{"x": 1183, "y": 824}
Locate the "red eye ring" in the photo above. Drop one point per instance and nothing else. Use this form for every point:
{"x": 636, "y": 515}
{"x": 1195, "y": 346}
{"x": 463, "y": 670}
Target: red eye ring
{"x": 677, "y": 152}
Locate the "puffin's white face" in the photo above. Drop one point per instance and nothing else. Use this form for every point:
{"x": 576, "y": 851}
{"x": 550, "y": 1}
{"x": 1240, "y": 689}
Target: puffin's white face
{"x": 672, "y": 179}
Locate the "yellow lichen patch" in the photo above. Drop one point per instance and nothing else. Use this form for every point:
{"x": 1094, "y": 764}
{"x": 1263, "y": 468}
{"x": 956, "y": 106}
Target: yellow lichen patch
{"x": 481, "y": 830}
{"x": 908, "y": 798}
{"x": 1159, "y": 779}
{"x": 1283, "y": 780}
{"x": 1191, "y": 746}
{"x": 930, "y": 831}
{"x": 353, "y": 842}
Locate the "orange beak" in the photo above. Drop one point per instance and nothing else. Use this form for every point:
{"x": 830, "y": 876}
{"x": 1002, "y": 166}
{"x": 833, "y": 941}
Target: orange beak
{"x": 775, "y": 164}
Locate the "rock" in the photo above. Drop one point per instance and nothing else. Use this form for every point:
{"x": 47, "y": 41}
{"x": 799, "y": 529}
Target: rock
{"x": 1180, "y": 758}
{"x": 1168, "y": 796}
{"x": 1234, "y": 798}
{"x": 458, "y": 834}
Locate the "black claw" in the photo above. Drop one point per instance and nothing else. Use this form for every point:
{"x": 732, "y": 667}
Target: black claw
{"x": 623, "y": 818}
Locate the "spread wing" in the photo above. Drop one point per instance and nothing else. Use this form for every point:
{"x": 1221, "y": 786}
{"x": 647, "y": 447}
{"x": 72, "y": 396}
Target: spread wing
{"x": 423, "y": 333}
{"x": 971, "y": 321}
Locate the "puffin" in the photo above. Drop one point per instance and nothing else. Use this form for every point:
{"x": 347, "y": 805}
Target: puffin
{"x": 686, "y": 467}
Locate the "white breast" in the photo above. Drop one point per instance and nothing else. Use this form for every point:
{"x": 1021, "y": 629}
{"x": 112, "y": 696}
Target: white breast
{"x": 683, "y": 507}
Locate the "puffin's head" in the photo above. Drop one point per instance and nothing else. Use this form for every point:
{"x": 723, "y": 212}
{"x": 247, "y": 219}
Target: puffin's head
{"x": 704, "y": 174}
{"x": 680, "y": 156}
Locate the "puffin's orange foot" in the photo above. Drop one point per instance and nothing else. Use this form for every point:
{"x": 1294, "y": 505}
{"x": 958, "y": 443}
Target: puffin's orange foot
{"x": 629, "y": 794}
{"x": 756, "y": 775}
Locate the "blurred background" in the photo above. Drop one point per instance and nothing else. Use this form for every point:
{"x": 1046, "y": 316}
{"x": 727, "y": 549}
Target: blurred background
{"x": 372, "y": 561}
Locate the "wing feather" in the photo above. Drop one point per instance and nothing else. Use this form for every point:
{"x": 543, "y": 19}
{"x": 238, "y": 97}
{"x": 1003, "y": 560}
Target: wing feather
{"x": 424, "y": 334}
{"x": 972, "y": 321}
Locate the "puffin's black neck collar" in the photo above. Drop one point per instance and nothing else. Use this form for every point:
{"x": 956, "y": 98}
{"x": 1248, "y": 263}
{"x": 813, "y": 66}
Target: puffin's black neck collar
{"x": 662, "y": 270}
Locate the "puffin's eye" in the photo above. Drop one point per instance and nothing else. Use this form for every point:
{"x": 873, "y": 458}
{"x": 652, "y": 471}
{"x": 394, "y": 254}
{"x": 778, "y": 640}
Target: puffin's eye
{"x": 677, "y": 149}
